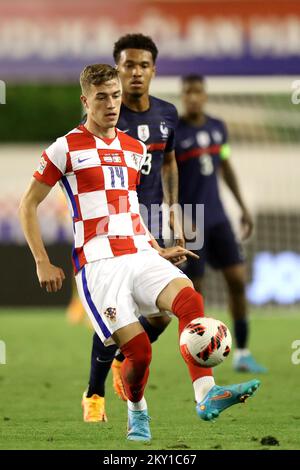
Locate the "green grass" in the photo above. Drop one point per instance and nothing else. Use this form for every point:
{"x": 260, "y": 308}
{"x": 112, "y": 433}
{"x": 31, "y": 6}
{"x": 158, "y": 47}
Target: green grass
{"x": 46, "y": 373}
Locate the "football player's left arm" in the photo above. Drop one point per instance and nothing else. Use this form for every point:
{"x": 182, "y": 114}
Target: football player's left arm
{"x": 231, "y": 180}
{"x": 175, "y": 254}
{"x": 170, "y": 190}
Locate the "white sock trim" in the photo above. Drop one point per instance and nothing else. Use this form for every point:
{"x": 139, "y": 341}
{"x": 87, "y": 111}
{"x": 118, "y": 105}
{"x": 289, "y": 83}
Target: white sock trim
{"x": 202, "y": 386}
{"x": 138, "y": 406}
{"x": 238, "y": 353}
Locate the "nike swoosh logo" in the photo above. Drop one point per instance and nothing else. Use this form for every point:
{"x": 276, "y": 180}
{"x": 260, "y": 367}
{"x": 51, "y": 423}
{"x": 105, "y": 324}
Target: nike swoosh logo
{"x": 81, "y": 160}
{"x": 226, "y": 394}
{"x": 102, "y": 362}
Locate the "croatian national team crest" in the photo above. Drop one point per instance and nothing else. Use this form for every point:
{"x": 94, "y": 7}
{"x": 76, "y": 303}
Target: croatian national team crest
{"x": 143, "y": 132}
{"x": 136, "y": 159}
{"x": 111, "y": 313}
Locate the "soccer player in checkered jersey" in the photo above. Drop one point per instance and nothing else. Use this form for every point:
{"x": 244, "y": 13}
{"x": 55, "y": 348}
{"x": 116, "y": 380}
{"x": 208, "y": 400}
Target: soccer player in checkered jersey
{"x": 118, "y": 272}
{"x": 153, "y": 121}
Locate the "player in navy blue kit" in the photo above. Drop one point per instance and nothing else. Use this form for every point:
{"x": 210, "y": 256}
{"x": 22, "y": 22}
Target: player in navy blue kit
{"x": 153, "y": 121}
{"x": 202, "y": 152}
{"x": 155, "y": 127}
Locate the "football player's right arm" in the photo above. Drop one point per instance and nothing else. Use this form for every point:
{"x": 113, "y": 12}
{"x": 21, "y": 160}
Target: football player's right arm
{"x": 50, "y": 277}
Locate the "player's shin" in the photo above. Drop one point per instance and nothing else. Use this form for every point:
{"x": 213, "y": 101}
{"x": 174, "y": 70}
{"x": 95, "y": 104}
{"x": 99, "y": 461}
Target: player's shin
{"x": 188, "y": 305}
{"x": 101, "y": 360}
{"x": 135, "y": 368}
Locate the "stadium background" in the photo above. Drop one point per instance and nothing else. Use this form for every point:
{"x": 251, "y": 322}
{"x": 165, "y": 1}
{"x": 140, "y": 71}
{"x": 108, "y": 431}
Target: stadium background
{"x": 250, "y": 52}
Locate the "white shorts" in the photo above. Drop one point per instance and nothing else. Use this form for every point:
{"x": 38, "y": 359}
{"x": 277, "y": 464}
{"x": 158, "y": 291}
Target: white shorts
{"x": 115, "y": 291}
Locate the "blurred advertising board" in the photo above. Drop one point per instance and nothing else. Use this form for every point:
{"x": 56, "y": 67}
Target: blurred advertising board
{"x": 50, "y": 40}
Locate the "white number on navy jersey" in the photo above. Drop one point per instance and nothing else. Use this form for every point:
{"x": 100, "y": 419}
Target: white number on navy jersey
{"x": 146, "y": 168}
{"x": 206, "y": 165}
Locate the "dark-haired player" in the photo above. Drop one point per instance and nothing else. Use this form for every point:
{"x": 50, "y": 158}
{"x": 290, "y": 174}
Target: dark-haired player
{"x": 202, "y": 151}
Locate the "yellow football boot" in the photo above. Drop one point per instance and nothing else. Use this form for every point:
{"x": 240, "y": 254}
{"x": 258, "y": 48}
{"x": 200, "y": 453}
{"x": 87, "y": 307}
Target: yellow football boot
{"x": 93, "y": 409}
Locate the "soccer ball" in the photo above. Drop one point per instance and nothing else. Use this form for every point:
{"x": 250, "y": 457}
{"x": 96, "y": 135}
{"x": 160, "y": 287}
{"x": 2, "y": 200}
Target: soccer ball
{"x": 205, "y": 342}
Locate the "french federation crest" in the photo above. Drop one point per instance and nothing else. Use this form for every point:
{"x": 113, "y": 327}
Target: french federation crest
{"x": 164, "y": 129}
{"x": 111, "y": 313}
{"x": 143, "y": 132}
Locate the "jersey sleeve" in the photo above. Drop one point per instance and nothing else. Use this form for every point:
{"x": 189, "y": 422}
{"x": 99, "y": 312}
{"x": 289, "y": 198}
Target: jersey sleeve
{"x": 170, "y": 145}
{"x": 225, "y": 150}
{"x": 52, "y": 164}
{"x": 142, "y": 162}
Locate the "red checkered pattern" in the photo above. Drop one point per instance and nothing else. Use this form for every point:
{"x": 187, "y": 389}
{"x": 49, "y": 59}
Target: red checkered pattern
{"x": 99, "y": 180}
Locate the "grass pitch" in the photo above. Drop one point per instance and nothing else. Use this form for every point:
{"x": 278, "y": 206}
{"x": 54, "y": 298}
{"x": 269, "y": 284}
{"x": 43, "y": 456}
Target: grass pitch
{"x": 47, "y": 369}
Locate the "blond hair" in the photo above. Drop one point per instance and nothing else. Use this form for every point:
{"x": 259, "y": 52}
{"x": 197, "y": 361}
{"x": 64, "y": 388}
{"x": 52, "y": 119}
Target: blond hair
{"x": 96, "y": 74}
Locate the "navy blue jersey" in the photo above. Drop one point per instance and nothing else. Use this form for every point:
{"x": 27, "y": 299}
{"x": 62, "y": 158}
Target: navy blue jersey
{"x": 156, "y": 128}
{"x": 199, "y": 151}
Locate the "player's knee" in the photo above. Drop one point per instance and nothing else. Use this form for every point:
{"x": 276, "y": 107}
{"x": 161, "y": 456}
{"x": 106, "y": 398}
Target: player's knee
{"x": 160, "y": 322}
{"x": 138, "y": 351}
{"x": 104, "y": 352}
{"x": 237, "y": 286}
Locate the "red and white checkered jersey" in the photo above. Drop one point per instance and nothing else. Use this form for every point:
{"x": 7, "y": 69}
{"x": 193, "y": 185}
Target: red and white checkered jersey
{"x": 99, "y": 178}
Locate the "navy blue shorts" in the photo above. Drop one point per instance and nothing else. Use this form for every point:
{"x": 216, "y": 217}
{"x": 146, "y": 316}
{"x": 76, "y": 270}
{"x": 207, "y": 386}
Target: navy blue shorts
{"x": 220, "y": 250}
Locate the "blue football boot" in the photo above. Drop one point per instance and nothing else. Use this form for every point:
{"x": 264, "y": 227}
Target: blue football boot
{"x": 220, "y": 398}
{"x": 138, "y": 426}
{"x": 248, "y": 364}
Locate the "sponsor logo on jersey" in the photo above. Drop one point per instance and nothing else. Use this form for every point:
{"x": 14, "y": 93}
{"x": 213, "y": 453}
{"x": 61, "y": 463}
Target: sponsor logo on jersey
{"x": 143, "y": 132}
{"x": 42, "y": 165}
{"x": 81, "y": 160}
{"x": 164, "y": 130}
{"x": 111, "y": 313}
